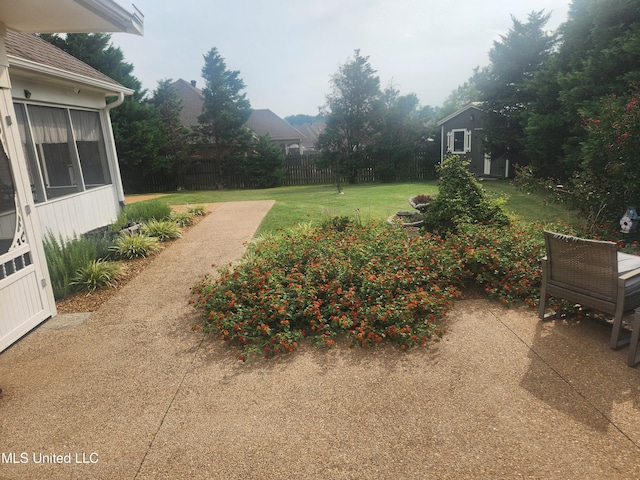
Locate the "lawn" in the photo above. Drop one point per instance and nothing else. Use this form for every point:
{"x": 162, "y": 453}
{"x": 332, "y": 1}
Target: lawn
{"x": 376, "y": 202}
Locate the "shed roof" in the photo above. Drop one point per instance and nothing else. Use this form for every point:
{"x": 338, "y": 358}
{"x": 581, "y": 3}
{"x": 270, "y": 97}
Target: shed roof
{"x": 30, "y": 52}
{"x": 472, "y": 105}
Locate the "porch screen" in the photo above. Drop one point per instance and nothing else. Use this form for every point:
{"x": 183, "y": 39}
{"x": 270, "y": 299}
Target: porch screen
{"x": 69, "y": 148}
{"x": 50, "y": 132}
{"x": 91, "y": 150}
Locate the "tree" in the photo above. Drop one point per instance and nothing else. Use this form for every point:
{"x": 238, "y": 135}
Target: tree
{"x": 460, "y": 97}
{"x": 502, "y": 85}
{"x": 301, "y": 119}
{"x": 136, "y": 124}
{"x": 176, "y": 147}
{"x": 401, "y": 133}
{"x": 265, "y": 164}
{"x": 355, "y": 91}
{"x": 224, "y": 113}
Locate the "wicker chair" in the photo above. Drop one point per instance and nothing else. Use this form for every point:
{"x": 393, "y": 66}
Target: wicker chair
{"x": 593, "y": 274}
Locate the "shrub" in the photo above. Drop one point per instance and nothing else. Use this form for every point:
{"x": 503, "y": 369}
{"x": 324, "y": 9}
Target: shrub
{"x": 162, "y": 229}
{"x": 196, "y": 210}
{"x": 65, "y": 257}
{"x": 183, "y": 219}
{"x": 142, "y": 212}
{"x": 96, "y": 274}
{"x": 135, "y": 246}
{"x": 503, "y": 260}
{"x": 338, "y": 223}
{"x": 368, "y": 283}
{"x": 461, "y": 197}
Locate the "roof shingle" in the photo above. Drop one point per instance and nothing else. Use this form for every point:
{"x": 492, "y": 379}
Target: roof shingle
{"x": 30, "y": 47}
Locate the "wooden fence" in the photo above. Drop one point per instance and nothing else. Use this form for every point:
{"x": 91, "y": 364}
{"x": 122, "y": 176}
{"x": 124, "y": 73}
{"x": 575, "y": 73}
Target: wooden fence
{"x": 299, "y": 170}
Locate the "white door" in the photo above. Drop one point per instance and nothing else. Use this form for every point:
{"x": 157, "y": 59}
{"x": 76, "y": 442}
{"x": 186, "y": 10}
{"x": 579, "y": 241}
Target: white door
{"x": 26, "y": 298}
{"x": 487, "y": 164}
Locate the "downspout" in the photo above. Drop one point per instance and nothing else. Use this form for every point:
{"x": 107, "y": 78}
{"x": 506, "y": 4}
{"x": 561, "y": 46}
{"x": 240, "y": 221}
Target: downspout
{"x": 115, "y": 170}
{"x": 115, "y": 103}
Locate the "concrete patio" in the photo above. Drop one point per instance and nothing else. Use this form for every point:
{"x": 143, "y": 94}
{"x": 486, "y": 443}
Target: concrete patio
{"x": 130, "y": 392}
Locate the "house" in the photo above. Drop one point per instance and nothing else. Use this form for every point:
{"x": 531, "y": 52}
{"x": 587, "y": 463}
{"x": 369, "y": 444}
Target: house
{"x": 261, "y": 121}
{"x": 61, "y": 103}
{"x": 265, "y": 122}
{"x": 311, "y": 131}
{"x": 462, "y": 134}
{"x": 192, "y": 101}
{"x": 58, "y": 166}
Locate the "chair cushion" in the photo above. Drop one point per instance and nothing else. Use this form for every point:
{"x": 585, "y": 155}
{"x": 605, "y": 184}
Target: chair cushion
{"x": 626, "y": 263}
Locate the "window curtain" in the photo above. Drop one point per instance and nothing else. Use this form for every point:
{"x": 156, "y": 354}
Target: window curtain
{"x": 49, "y": 125}
{"x": 86, "y": 126}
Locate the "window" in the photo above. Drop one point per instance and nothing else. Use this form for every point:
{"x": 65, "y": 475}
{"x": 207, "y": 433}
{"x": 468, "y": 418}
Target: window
{"x": 91, "y": 149}
{"x": 459, "y": 141}
{"x": 65, "y": 150}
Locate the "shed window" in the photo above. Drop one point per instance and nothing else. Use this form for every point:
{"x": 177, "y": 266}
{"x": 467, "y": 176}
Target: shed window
{"x": 65, "y": 150}
{"x": 459, "y": 141}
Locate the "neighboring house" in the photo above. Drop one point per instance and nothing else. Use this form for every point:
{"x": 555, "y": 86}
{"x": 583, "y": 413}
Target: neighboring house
{"x": 312, "y": 133}
{"x": 261, "y": 121}
{"x": 58, "y": 166}
{"x": 192, "y": 101}
{"x": 462, "y": 134}
{"x": 265, "y": 122}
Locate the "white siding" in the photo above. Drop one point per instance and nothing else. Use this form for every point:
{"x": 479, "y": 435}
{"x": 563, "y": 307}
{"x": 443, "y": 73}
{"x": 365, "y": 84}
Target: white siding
{"x": 80, "y": 213}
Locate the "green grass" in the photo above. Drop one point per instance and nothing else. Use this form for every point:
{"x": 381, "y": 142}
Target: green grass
{"x": 316, "y": 203}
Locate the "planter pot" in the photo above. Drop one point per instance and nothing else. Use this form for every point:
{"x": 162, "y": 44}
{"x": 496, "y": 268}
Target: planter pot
{"x": 419, "y": 206}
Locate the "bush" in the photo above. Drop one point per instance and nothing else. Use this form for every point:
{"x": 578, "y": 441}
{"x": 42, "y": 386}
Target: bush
{"x": 461, "y": 198}
{"x": 503, "y": 260}
{"x": 368, "y": 283}
{"x": 135, "y": 246}
{"x": 142, "y": 212}
{"x": 196, "y": 210}
{"x": 66, "y": 257}
{"x": 162, "y": 229}
{"x": 182, "y": 219}
{"x": 95, "y": 275}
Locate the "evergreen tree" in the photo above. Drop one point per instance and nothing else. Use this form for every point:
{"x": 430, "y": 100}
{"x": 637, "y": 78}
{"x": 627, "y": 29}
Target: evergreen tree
{"x": 224, "y": 114}
{"x": 355, "y": 91}
{"x": 401, "y": 134}
{"x": 264, "y": 165}
{"x": 502, "y": 86}
{"x": 176, "y": 147}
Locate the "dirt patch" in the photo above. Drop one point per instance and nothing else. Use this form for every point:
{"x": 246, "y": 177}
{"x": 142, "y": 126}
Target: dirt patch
{"x": 142, "y": 197}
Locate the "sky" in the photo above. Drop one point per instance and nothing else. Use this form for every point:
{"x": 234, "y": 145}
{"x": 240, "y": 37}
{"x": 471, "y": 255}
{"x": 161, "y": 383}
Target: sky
{"x": 287, "y": 50}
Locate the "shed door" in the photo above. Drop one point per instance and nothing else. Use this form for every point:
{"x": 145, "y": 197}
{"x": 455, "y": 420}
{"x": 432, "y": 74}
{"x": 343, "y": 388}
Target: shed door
{"x": 25, "y": 297}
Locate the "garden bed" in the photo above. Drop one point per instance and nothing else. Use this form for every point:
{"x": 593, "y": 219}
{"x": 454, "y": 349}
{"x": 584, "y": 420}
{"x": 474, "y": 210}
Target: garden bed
{"x": 81, "y": 302}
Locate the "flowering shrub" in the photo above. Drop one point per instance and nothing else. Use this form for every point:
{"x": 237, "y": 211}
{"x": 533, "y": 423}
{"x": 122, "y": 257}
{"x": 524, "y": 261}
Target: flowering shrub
{"x": 367, "y": 283}
{"x": 505, "y": 261}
